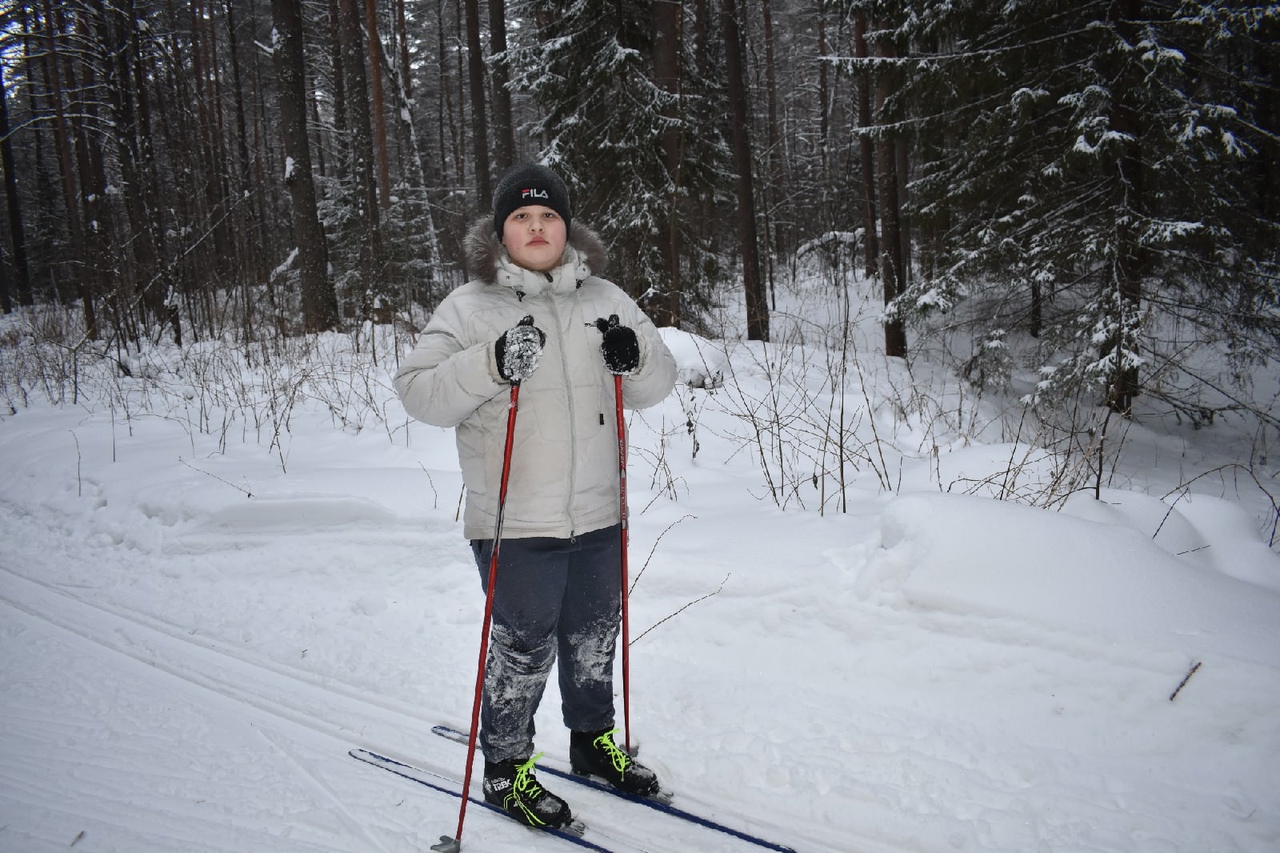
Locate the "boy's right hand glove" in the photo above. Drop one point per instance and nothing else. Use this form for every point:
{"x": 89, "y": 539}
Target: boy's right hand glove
{"x": 519, "y": 350}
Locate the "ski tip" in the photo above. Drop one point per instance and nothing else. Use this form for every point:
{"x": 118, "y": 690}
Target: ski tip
{"x": 448, "y": 844}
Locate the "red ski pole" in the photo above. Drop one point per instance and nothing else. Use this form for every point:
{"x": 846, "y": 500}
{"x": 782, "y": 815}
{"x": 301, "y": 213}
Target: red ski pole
{"x": 454, "y": 844}
{"x": 622, "y": 514}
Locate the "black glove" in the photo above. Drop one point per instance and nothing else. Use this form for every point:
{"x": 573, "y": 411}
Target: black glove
{"x": 519, "y": 350}
{"x": 619, "y": 346}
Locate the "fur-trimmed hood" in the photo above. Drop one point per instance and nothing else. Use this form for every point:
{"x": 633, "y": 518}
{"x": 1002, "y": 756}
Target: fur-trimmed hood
{"x": 486, "y": 256}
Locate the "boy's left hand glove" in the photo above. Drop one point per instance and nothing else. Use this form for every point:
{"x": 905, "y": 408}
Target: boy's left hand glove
{"x": 619, "y": 346}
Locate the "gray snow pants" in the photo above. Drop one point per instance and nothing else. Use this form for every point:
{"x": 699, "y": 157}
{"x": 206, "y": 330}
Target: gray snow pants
{"x": 552, "y": 597}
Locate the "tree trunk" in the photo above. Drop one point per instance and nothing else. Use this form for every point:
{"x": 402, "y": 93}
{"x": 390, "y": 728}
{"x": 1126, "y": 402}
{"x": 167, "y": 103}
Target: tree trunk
{"x": 824, "y": 95}
{"x": 775, "y": 188}
{"x": 379, "y": 115}
{"x": 479, "y": 122}
{"x": 866, "y": 152}
{"x": 903, "y": 169}
{"x": 667, "y": 24}
{"x": 22, "y": 273}
{"x": 443, "y": 109}
{"x": 250, "y": 229}
{"x": 892, "y": 273}
{"x": 776, "y": 233}
{"x": 364, "y": 195}
{"x": 458, "y": 114}
{"x": 339, "y": 77}
{"x": 319, "y": 303}
{"x": 503, "y": 122}
{"x": 402, "y": 37}
{"x": 1129, "y": 205}
{"x": 757, "y": 302}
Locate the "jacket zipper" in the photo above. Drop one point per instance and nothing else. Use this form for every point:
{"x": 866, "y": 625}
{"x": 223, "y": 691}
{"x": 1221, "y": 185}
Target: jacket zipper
{"x": 573, "y": 428}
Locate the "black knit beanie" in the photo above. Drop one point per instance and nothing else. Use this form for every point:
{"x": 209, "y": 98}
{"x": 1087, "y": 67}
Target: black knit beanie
{"x": 529, "y": 183}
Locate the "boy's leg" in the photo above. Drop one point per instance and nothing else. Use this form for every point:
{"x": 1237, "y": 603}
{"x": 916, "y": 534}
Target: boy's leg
{"x": 589, "y": 623}
{"x": 522, "y": 647}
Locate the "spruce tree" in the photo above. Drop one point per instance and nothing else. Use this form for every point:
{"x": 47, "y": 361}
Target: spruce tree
{"x": 602, "y": 120}
{"x": 1095, "y": 187}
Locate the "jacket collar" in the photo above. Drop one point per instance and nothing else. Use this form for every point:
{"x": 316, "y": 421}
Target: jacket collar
{"x": 564, "y": 278}
{"x": 488, "y": 261}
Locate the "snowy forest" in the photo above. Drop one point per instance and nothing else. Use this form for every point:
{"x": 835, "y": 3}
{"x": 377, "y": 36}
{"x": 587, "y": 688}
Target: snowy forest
{"x": 1098, "y": 179}
{"x": 960, "y": 530}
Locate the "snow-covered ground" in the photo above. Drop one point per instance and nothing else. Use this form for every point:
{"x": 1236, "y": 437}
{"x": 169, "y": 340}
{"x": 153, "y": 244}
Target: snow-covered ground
{"x": 201, "y": 614}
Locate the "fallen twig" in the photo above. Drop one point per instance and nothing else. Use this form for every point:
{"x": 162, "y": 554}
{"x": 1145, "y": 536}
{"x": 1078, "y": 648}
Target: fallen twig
{"x": 1186, "y": 678}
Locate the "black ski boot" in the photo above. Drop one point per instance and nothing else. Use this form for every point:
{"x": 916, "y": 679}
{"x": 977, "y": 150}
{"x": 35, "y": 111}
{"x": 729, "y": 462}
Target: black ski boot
{"x": 595, "y": 754}
{"x": 512, "y": 787}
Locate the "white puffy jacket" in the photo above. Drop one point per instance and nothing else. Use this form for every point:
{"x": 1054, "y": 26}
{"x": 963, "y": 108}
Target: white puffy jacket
{"x": 564, "y": 467}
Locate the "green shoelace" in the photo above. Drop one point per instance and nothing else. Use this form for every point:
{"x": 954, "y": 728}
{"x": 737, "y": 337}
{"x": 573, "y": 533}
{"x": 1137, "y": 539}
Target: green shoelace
{"x": 525, "y": 786}
{"x": 620, "y": 760}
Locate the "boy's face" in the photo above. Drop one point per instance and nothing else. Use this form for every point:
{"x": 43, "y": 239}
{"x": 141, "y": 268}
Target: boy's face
{"x": 535, "y": 237}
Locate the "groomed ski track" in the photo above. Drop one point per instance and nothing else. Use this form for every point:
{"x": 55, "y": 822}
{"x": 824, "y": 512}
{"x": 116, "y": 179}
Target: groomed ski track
{"x": 149, "y": 738}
